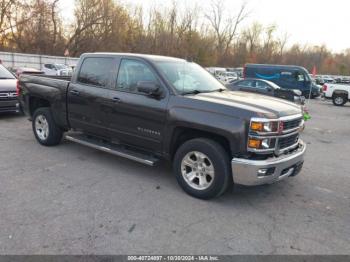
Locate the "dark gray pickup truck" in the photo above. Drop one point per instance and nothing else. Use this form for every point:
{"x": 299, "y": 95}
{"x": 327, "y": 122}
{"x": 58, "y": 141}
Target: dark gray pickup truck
{"x": 147, "y": 108}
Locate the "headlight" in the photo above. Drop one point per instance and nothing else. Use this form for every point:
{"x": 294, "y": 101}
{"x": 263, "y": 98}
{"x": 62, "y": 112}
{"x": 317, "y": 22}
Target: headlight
{"x": 261, "y": 143}
{"x": 264, "y": 126}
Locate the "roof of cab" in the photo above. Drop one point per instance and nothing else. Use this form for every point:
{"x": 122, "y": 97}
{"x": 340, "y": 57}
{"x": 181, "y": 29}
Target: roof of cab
{"x": 144, "y": 56}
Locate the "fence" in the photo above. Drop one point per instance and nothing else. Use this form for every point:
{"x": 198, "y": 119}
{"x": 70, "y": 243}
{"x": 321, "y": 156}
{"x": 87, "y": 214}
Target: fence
{"x": 34, "y": 61}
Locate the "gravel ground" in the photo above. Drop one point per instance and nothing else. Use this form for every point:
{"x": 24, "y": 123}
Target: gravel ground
{"x": 74, "y": 200}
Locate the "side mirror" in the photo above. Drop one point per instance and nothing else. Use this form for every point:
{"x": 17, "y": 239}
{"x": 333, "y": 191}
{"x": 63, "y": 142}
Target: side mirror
{"x": 149, "y": 88}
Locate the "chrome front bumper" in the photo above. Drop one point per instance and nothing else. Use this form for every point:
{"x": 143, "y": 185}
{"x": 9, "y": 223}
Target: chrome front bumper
{"x": 258, "y": 172}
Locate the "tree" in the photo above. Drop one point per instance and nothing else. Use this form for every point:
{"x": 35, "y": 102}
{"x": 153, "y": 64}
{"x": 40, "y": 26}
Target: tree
{"x": 225, "y": 26}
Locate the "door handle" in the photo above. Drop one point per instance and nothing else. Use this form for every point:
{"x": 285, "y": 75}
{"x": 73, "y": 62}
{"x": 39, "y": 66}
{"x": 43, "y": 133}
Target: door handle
{"x": 74, "y": 92}
{"x": 116, "y": 99}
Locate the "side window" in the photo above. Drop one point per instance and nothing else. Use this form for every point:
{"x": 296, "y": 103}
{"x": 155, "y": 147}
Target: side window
{"x": 96, "y": 71}
{"x": 131, "y": 72}
{"x": 300, "y": 77}
{"x": 261, "y": 85}
{"x": 287, "y": 76}
{"x": 246, "y": 83}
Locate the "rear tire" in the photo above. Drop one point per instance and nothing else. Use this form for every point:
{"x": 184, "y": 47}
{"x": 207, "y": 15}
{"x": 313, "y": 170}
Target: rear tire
{"x": 45, "y": 129}
{"x": 202, "y": 168}
{"x": 339, "y": 99}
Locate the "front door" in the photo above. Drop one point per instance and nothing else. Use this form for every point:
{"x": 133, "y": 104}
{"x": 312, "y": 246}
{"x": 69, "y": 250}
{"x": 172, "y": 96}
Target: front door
{"x": 137, "y": 119}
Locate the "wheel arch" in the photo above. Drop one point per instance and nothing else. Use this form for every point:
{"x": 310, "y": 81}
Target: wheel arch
{"x": 341, "y": 92}
{"x": 37, "y": 102}
{"x": 183, "y": 134}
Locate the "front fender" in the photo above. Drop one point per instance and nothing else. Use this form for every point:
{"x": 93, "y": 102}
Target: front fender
{"x": 231, "y": 128}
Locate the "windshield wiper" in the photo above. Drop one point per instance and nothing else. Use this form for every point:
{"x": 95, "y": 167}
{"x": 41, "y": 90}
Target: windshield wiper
{"x": 196, "y": 91}
{"x": 192, "y": 92}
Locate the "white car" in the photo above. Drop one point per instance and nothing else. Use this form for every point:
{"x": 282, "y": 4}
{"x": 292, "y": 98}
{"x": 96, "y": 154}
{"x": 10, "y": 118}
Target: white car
{"x": 57, "y": 70}
{"x": 339, "y": 93}
{"x": 227, "y": 77}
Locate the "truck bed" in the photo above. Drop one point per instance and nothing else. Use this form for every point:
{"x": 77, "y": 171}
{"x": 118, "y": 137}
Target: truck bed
{"x": 49, "y": 88}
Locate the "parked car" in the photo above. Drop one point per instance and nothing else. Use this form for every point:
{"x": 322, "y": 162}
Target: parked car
{"x": 268, "y": 88}
{"x": 328, "y": 80}
{"x": 285, "y": 76}
{"x": 8, "y": 93}
{"x": 338, "y": 93}
{"x": 227, "y": 77}
{"x": 148, "y": 108}
{"x": 57, "y": 70}
{"x": 345, "y": 80}
{"x": 215, "y": 70}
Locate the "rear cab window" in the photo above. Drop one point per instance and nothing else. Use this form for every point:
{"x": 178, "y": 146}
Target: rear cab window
{"x": 96, "y": 71}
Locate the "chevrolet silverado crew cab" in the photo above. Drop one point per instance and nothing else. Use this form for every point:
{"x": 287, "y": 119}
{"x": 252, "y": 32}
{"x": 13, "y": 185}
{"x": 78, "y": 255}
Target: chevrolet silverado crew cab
{"x": 147, "y": 108}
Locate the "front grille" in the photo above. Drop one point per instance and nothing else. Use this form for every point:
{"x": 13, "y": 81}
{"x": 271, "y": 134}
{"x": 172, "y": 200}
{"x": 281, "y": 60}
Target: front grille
{"x": 8, "y": 96}
{"x": 291, "y": 124}
{"x": 8, "y": 108}
{"x": 288, "y": 141}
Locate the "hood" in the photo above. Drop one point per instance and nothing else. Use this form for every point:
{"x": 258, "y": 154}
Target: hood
{"x": 8, "y": 84}
{"x": 259, "y": 105}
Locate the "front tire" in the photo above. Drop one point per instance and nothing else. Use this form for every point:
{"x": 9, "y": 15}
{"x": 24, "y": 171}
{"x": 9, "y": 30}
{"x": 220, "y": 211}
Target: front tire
{"x": 45, "y": 129}
{"x": 202, "y": 168}
{"x": 339, "y": 99}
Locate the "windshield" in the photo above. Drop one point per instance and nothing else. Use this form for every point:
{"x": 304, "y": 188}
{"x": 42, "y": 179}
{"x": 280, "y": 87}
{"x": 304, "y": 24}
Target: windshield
{"x": 5, "y": 74}
{"x": 187, "y": 77}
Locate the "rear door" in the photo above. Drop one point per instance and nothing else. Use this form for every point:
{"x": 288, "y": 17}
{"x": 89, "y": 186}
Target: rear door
{"x": 137, "y": 119}
{"x": 88, "y": 96}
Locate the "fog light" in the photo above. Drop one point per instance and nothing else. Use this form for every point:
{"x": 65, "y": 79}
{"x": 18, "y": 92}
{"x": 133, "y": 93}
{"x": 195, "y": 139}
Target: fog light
{"x": 263, "y": 172}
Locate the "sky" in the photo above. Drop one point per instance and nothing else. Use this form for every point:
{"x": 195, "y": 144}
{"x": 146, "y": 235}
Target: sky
{"x": 313, "y": 22}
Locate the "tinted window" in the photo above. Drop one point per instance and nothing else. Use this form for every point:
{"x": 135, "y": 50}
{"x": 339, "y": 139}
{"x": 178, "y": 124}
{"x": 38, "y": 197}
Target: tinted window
{"x": 5, "y": 74}
{"x": 288, "y": 77}
{"x": 246, "y": 83}
{"x": 96, "y": 71}
{"x": 261, "y": 85}
{"x": 131, "y": 72}
{"x": 300, "y": 77}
